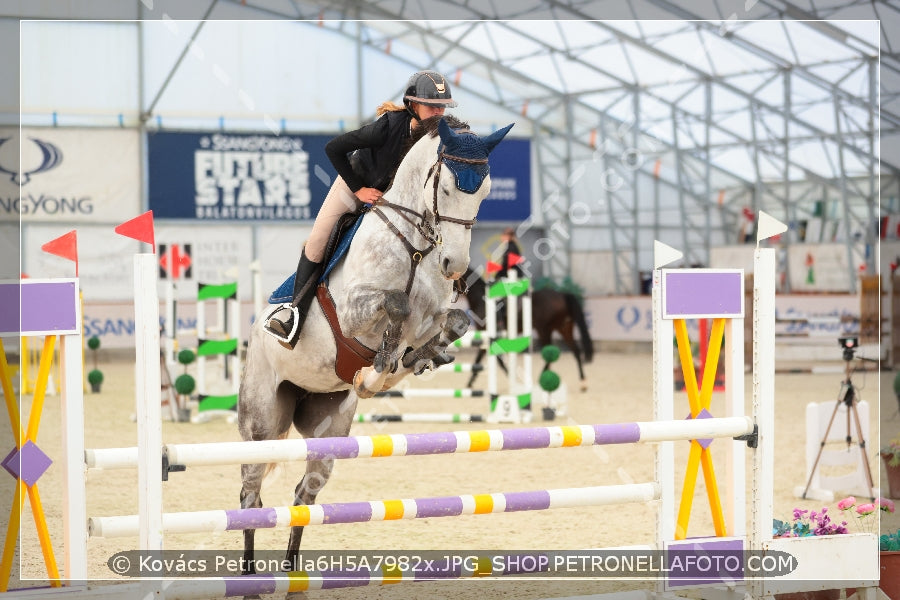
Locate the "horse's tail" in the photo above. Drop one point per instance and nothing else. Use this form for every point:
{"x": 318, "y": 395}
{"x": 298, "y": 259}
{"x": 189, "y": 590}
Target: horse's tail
{"x": 575, "y": 310}
{"x": 271, "y": 466}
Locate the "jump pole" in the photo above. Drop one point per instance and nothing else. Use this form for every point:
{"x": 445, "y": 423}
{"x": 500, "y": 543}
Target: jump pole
{"x": 379, "y": 510}
{"x": 423, "y": 444}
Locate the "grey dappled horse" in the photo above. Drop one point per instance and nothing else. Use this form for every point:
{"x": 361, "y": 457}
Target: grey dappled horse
{"x": 392, "y": 293}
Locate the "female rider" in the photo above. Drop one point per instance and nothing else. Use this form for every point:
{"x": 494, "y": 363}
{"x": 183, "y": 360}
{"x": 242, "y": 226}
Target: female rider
{"x": 366, "y": 160}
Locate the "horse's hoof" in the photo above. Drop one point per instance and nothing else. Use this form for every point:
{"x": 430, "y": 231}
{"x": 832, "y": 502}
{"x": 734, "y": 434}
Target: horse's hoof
{"x": 359, "y": 386}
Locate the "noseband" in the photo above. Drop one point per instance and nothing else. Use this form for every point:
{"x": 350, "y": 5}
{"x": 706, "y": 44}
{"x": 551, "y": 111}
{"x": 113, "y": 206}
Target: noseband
{"x": 423, "y": 226}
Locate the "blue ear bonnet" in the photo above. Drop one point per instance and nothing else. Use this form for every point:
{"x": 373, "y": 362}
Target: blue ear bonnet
{"x": 469, "y": 177}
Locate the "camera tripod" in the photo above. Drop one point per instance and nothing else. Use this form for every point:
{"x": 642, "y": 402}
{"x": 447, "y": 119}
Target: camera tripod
{"x": 847, "y": 397}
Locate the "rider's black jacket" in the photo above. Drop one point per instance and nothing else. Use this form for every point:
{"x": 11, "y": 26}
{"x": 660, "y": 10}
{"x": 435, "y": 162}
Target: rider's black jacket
{"x": 370, "y": 155}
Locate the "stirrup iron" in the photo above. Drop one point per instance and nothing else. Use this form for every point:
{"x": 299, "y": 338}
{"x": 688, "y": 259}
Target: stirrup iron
{"x": 295, "y": 319}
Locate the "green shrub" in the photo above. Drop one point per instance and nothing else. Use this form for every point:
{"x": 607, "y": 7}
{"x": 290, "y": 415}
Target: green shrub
{"x": 550, "y": 353}
{"x": 186, "y": 357}
{"x": 184, "y": 384}
{"x": 549, "y": 381}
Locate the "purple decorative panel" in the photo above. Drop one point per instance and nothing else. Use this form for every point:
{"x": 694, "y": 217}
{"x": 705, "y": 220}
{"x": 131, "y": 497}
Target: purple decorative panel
{"x": 699, "y": 561}
{"x": 702, "y": 293}
{"x": 47, "y": 307}
{"x": 33, "y": 462}
{"x": 9, "y": 307}
{"x": 703, "y": 414}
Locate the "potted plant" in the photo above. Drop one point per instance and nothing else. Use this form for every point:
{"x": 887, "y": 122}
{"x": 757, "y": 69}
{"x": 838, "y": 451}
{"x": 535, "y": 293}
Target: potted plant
{"x": 889, "y": 546}
{"x": 890, "y": 455}
{"x": 807, "y": 523}
{"x": 184, "y": 385}
{"x": 95, "y": 377}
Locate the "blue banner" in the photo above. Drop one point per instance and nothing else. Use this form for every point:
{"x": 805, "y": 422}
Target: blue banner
{"x": 216, "y": 176}
{"x": 510, "y": 197}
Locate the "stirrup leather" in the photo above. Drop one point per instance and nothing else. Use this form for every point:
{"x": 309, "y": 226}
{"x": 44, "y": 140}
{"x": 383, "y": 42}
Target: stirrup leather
{"x": 292, "y": 334}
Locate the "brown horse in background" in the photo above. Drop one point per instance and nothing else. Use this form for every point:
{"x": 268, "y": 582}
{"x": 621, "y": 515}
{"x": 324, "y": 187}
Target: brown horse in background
{"x": 551, "y": 311}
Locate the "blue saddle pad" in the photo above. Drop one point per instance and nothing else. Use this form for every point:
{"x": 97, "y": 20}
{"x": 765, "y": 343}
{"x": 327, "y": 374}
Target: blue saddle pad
{"x": 285, "y": 291}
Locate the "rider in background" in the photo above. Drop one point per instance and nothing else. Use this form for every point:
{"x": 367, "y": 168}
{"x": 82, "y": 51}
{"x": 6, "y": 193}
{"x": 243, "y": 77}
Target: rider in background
{"x": 366, "y": 160}
{"x": 512, "y": 247}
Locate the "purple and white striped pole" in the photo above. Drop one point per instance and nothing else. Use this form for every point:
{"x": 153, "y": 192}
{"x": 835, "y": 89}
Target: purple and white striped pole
{"x": 380, "y": 510}
{"x": 230, "y": 453}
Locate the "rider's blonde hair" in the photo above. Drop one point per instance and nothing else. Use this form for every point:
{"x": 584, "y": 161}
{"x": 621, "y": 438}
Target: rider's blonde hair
{"x": 388, "y": 106}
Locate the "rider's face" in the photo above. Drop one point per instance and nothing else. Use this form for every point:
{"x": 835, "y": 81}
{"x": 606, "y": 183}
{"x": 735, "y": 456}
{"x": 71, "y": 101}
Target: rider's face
{"x": 424, "y": 111}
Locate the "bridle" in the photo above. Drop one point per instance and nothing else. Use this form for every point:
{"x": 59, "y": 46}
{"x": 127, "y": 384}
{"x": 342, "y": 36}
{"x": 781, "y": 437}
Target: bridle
{"x": 425, "y": 228}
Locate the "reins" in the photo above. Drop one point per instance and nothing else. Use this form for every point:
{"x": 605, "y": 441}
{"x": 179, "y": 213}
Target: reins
{"x": 425, "y": 229}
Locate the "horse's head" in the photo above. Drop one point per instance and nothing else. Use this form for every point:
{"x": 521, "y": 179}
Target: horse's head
{"x": 456, "y": 192}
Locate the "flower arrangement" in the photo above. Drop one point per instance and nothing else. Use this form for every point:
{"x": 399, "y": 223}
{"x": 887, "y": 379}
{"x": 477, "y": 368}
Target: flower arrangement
{"x": 865, "y": 511}
{"x": 891, "y": 452}
{"x": 808, "y": 523}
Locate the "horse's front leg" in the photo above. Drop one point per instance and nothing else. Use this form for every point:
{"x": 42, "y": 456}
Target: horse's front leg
{"x": 453, "y": 328}
{"x": 365, "y": 310}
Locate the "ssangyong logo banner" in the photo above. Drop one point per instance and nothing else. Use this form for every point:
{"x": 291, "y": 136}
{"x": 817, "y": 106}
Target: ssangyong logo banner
{"x": 69, "y": 174}
{"x": 214, "y": 176}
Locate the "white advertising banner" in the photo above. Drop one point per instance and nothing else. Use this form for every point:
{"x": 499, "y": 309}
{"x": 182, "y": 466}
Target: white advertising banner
{"x": 630, "y": 318}
{"x": 819, "y": 268}
{"x": 211, "y": 254}
{"x": 71, "y": 174}
{"x": 105, "y": 259}
{"x": 595, "y": 271}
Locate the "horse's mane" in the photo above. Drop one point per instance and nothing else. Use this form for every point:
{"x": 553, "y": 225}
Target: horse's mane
{"x": 429, "y": 126}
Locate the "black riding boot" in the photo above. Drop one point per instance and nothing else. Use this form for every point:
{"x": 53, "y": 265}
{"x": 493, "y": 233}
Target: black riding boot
{"x": 304, "y": 289}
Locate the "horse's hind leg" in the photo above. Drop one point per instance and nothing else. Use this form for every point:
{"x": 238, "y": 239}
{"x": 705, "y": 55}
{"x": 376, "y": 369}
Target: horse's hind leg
{"x": 318, "y": 415}
{"x": 263, "y": 414}
{"x": 251, "y": 482}
{"x": 569, "y": 337}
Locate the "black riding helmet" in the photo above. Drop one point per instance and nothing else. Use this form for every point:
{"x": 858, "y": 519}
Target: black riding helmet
{"x": 428, "y": 88}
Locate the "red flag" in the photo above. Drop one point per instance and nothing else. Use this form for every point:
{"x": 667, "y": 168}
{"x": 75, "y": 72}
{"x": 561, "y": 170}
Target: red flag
{"x": 139, "y": 228}
{"x": 65, "y": 246}
{"x": 513, "y": 259}
{"x": 492, "y": 267}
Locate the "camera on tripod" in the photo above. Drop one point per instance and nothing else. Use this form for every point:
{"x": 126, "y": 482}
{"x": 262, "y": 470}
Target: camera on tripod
{"x": 849, "y": 345}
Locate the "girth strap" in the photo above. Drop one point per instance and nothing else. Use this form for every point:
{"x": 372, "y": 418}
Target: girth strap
{"x": 351, "y": 354}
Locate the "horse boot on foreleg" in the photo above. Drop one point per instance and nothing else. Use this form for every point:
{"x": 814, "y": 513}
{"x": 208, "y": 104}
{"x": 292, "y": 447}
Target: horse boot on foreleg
{"x": 455, "y": 325}
{"x": 370, "y": 380}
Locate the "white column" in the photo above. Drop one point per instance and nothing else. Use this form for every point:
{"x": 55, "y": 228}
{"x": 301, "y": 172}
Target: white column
{"x": 663, "y": 410}
{"x": 147, "y": 392}
{"x": 72, "y": 415}
{"x": 763, "y": 400}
